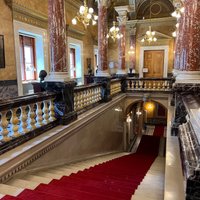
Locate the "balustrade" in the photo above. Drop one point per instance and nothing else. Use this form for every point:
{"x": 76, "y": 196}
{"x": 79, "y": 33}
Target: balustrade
{"x": 85, "y": 96}
{"x": 115, "y": 87}
{"x": 143, "y": 84}
{"x": 24, "y": 114}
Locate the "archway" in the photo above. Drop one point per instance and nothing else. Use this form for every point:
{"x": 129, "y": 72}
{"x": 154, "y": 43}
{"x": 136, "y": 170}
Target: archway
{"x": 146, "y": 117}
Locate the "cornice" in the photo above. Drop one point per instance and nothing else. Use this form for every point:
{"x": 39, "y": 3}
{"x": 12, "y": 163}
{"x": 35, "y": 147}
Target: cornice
{"x": 23, "y": 14}
{"x": 152, "y": 21}
{"x": 75, "y": 33}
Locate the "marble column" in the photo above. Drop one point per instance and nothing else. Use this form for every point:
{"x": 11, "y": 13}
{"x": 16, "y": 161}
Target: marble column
{"x": 58, "y": 41}
{"x": 122, "y": 19}
{"x": 187, "y": 59}
{"x": 132, "y": 50}
{"x": 58, "y": 80}
{"x": 102, "y": 39}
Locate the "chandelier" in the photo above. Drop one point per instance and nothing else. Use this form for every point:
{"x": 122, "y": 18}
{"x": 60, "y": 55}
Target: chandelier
{"x": 85, "y": 16}
{"x": 149, "y": 36}
{"x": 114, "y": 32}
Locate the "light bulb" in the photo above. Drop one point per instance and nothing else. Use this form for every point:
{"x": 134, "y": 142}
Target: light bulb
{"x": 142, "y": 40}
{"x": 178, "y": 15}
{"x": 89, "y": 16}
{"x": 177, "y": 25}
{"x": 174, "y": 34}
{"x": 74, "y": 21}
{"x": 153, "y": 33}
{"x": 107, "y": 35}
{"x": 148, "y": 32}
{"x": 117, "y": 29}
{"x": 154, "y": 39}
{"x": 174, "y": 14}
{"x": 82, "y": 9}
{"x": 94, "y": 22}
{"x": 112, "y": 29}
{"x": 91, "y": 10}
{"x": 182, "y": 10}
{"x": 95, "y": 17}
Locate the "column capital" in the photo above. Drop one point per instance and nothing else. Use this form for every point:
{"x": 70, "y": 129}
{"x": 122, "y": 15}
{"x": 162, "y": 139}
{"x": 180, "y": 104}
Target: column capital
{"x": 122, "y": 10}
{"x": 131, "y": 30}
{"x": 122, "y": 19}
{"x": 105, "y": 3}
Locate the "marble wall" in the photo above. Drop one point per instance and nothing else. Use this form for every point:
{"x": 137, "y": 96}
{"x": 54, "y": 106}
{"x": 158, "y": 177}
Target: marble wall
{"x": 9, "y": 72}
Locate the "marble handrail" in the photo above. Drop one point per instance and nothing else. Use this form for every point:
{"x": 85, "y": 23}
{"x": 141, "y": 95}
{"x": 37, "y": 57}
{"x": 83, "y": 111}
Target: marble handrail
{"x": 21, "y": 115}
{"x": 149, "y": 84}
{"x": 115, "y": 86}
{"x": 85, "y": 96}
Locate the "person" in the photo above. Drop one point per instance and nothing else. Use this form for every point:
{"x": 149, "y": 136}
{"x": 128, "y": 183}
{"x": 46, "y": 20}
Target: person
{"x": 42, "y": 76}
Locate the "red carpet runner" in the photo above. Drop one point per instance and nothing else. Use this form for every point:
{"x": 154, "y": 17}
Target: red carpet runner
{"x": 159, "y": 131}
{"x": 114, "y": 180}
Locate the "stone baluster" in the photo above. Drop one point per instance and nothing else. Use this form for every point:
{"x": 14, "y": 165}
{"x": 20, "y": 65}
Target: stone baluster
{"x": 14, "y": 123}
{"x": 46, "y": 112}
{"x": 141, "y": 85}
{"x": 163, "y": 85}
{"x": 51, "y": 111}
{"x": 154, "y": 85}
{"x": 4, "y": 124}
{"x": 39, "y": 113}
{"x": 23, "y": 119}
{"x": 75, "y": 101}
{"x": 31, "y": 117}
{"x": 150, "y": 85}
{"x": 158, "y": 85}
{"x": 136, "y": 85}
{"x": 145, "y": 85}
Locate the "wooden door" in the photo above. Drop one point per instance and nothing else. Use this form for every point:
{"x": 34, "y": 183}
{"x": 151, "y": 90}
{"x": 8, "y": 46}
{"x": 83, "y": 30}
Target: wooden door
{"x": 154, "y": 61}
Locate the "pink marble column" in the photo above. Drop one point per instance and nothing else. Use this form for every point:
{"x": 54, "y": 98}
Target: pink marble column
{"x": 122, "y": 18}
{"x": 187, "y": 59}
{"x": 132, "y": 56}
{"x": 102, "y": 39}
{"x": 58, "y": 40}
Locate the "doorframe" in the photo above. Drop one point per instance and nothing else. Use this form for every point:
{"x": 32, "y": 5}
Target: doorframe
{"x": 146, "y": 48}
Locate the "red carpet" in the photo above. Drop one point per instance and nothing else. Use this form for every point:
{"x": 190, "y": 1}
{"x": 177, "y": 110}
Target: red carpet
{"x": 159, "y": 131}
{"x": 114, "y": 180}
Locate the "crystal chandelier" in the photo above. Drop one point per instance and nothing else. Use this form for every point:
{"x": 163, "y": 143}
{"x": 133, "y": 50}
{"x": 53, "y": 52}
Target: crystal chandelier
{"x": 114, "y": 32}
{"x": 85, "y": 16}
{"x": 149, "y": 36}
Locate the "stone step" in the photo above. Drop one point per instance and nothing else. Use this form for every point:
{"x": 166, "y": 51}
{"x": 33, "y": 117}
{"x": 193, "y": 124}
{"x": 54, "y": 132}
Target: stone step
{"x": 37, "y": 179}
{"x": 48, "y": 175}
{"x": 10, "y": 190}
{"x": 22, "y": 183}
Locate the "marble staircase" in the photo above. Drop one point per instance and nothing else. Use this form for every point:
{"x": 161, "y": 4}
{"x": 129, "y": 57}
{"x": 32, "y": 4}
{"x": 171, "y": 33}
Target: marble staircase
{"x": 32, "y": 179}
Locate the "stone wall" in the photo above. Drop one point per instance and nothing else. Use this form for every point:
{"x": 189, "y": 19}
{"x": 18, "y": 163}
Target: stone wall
{"x": 9, "y": 72}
